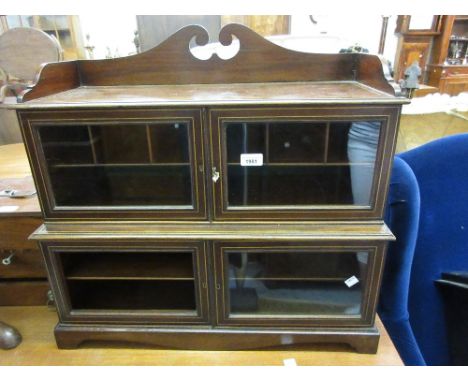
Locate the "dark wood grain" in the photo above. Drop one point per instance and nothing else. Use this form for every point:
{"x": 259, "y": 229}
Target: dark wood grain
{"x": 363, "y": 340}
{"x": 53, "y": 78}
{"x": 116, "y": 231}
{"x": 265, "y": 93}
{"x": 374, "y": 72}
{"x": 172, "y": 63}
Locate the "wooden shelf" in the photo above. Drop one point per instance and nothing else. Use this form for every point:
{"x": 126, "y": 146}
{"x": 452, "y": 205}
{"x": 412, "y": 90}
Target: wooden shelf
{"x": 64, "y": 165}
{"x": 129, "y": 267}
{"x": 163, "y": 95}
{"x": 133, "y": 295}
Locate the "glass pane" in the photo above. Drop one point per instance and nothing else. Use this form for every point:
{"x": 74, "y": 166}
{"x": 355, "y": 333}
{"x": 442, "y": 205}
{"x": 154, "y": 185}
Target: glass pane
{"x": 130, "y": 280}
{"x": 296, "y": 283}
{"x": 119, "y": 165}
{"x": 304, "y": 163}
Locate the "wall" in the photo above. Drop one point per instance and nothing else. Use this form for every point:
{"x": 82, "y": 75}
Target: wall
{"x": 331, "y": 33}
{"x": 115, "y": 32}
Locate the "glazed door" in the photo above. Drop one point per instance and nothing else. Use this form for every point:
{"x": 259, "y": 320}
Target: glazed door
{"x": 119, "y": 163}
{"x": 284, "y": 284}
{"x": 301, "y": 163}
{"x": 158, "y": 282}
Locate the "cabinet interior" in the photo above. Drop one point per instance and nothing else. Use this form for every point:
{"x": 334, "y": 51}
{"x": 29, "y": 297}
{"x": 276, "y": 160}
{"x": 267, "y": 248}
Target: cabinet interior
{"x": 119, "y": 164}
{"x": 291, "y": 283}
{"x": 304, "y": 163}
{"x": 130, "y": 280}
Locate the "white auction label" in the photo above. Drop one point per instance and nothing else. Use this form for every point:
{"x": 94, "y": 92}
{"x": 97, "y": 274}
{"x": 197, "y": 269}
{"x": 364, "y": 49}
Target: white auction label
{"x": 8, "y": 208}
{"x": 251, "y": 159}
{"x": 289, "y": 362}
{"x": 353, "y": 280}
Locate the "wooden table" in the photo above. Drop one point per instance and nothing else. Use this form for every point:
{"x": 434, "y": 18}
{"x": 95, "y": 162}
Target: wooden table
{"x": 36, "y": 324}
{"x": 15, "y": 171}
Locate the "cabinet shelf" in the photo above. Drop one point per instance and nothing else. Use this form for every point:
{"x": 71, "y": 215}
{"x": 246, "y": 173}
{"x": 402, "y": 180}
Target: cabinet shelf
{"x": 287, "y": 300}
{"x": 128, "y": 266}
{"x": 132, "y": 295}
{"x": 86, "y": 165}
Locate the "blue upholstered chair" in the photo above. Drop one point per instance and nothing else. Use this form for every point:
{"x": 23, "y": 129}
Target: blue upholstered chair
{"x": 428, "y": 213}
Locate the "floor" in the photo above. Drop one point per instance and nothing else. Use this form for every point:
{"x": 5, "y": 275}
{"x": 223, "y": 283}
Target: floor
{"x": 417, "y": 129}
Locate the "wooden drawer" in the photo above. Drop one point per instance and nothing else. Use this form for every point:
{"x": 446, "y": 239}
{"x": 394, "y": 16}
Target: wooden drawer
{"x": 27, "y": 261}
{"x": 23, "y": 293}
{"x": 14, "y": 232}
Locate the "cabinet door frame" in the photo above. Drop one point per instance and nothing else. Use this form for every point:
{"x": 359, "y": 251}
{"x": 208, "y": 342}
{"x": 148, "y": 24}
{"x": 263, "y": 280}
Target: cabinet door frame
{"x": 368, "y": 301}
{"x": 31, "y": 120}
{"x": 389, "y": 115}
{"x": 67, "y": 314}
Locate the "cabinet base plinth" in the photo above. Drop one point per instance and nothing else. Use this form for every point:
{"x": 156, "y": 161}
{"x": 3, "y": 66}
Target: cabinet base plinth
{"x": 363, "y": 340}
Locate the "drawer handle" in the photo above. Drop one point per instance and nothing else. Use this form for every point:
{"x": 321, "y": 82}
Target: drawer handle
{"x": 7, "y": 260}
{"x": 50, "y": 303}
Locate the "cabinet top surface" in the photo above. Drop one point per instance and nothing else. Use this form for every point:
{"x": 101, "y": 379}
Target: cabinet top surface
{"x": 209, "y": 231}
{"x": 170, "y": 74}
{"x": 214, "y": 94}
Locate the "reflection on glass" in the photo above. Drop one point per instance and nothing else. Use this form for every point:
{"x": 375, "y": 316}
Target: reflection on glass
{"x": 119, "y": 165}
{"x": 304, "y": 163}
{"x": 296, "y": 283}
{"x": 363, "y": 139}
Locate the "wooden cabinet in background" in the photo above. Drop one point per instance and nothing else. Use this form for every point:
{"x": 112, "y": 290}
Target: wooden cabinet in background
{"x": 450, "y": 79}
{"x": 448, "y": 69}
{"x": 441, "y": 49}
{"x": 414, "y": 44}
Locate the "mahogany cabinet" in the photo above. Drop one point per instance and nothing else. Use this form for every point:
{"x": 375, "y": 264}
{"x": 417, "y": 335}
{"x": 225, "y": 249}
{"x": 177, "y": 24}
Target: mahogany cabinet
{"x": 214, "y": 204}
{"x": 448, "y": 67}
